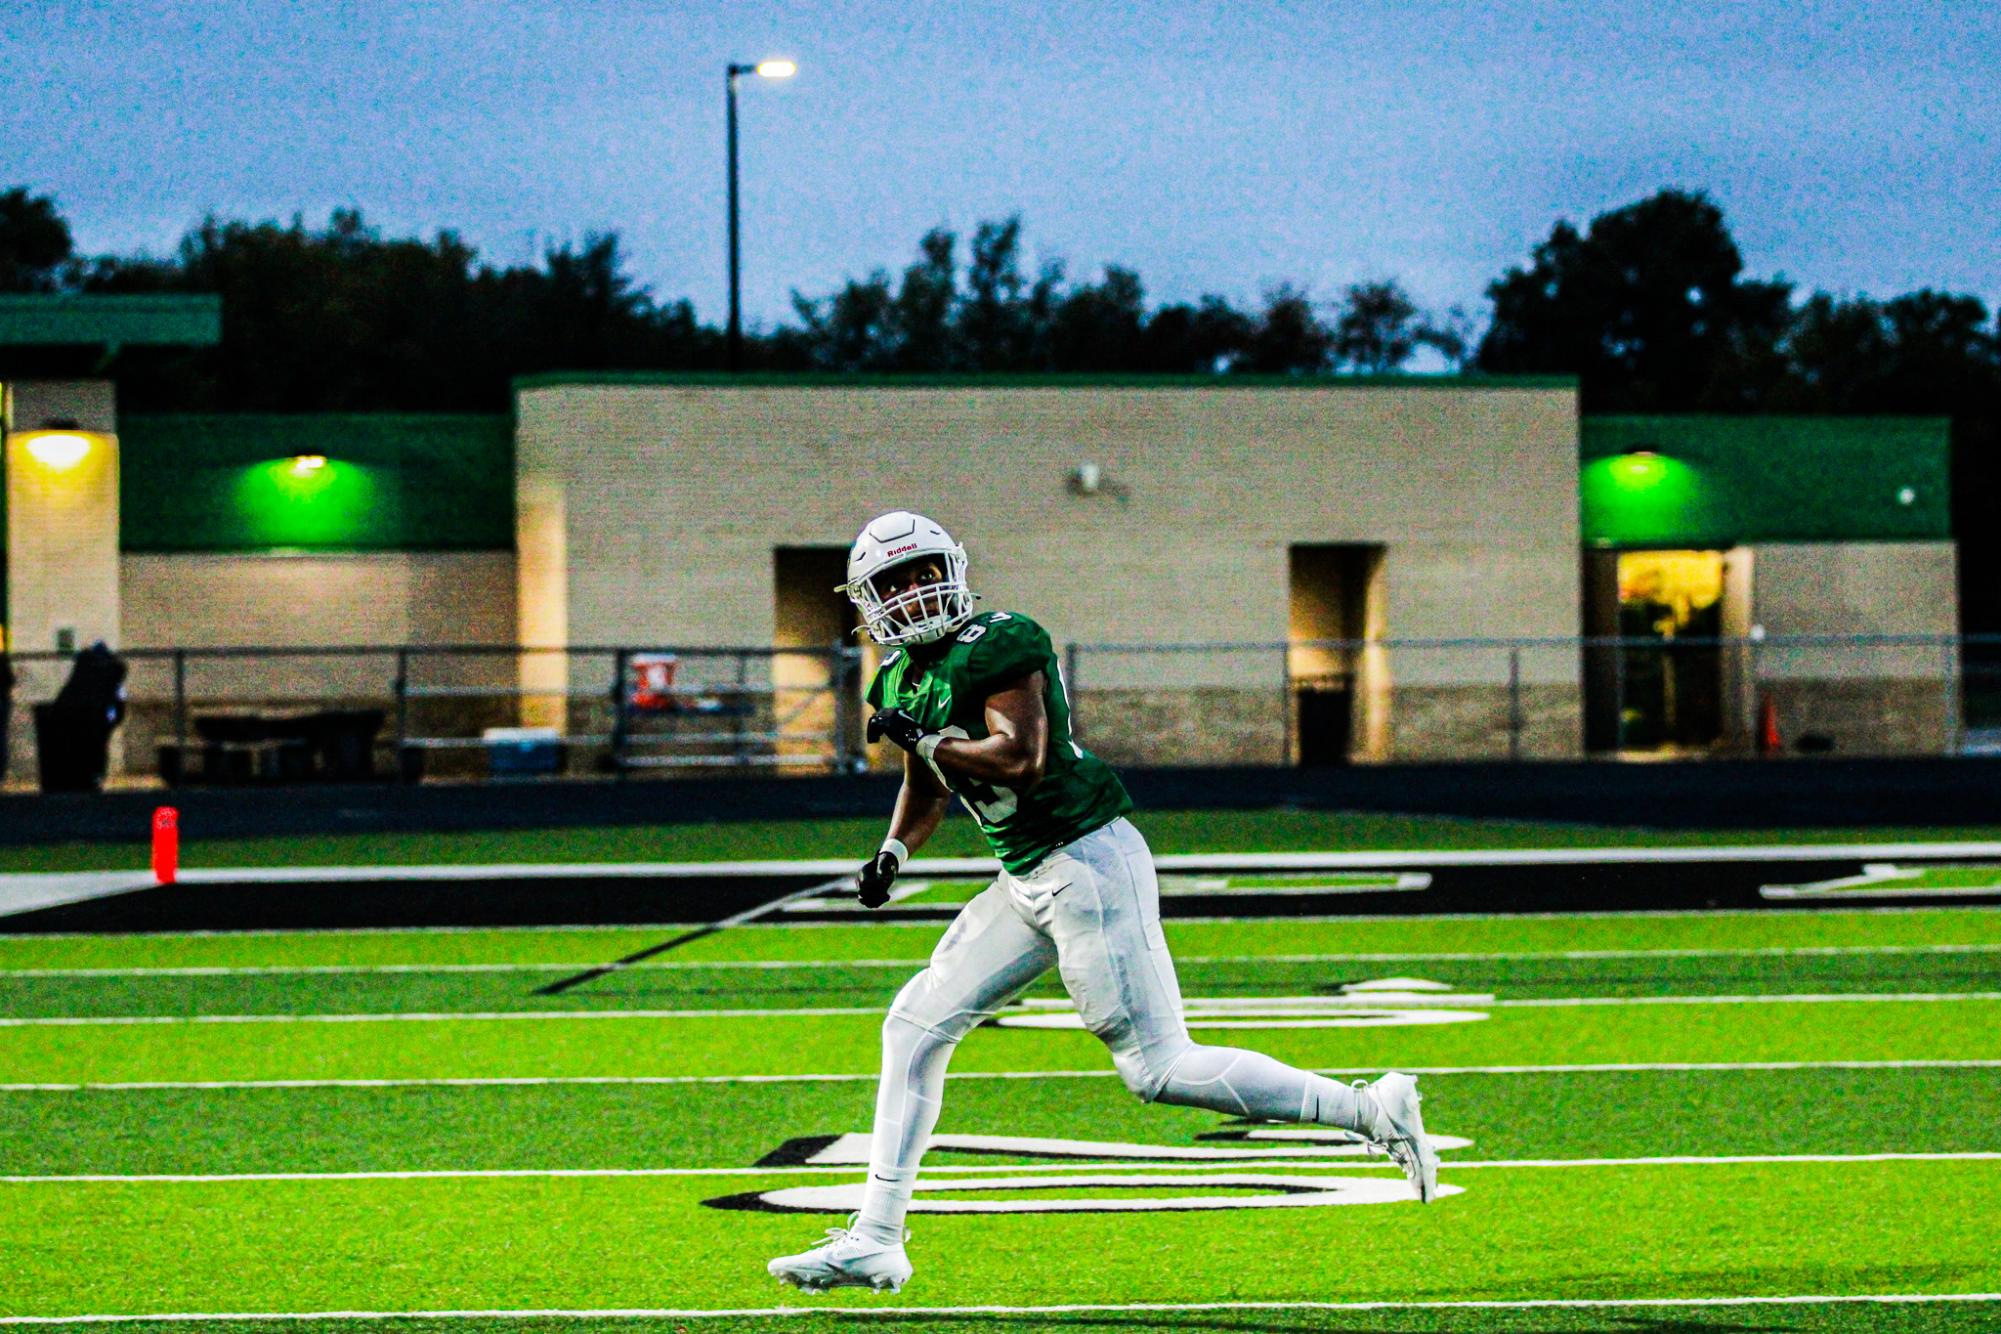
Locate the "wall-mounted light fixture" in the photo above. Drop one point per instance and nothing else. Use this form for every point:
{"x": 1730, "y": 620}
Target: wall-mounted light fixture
{"x": 1642, "y": 467}
{"x": 59, "y": 450}
{"x": 1089, "y": 479}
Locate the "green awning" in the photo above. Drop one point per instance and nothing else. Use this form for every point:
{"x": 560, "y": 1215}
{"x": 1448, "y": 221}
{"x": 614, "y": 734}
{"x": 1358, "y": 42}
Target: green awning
{"x": 54, "y": 321}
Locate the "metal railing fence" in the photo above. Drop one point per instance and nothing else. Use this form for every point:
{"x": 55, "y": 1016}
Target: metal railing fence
{"x": 628, "y": 709}
{"x": 1523, "y": 697}
{"x": 612, "y": 709}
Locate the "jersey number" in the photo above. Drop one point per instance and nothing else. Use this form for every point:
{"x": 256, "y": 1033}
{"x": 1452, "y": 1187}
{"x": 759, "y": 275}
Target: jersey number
{"x": 989, "y": 802}
{"x": 973, "y": 632}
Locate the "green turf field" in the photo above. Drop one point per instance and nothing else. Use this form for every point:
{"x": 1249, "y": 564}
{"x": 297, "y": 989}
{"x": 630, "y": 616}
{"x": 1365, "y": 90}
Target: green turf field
{"x": 1166, "y": 831}
{"x": 1659, "y": 1118}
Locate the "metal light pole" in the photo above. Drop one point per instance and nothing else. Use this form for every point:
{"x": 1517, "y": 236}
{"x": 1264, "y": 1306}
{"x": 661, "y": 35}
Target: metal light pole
{"x": 765, "y": 69}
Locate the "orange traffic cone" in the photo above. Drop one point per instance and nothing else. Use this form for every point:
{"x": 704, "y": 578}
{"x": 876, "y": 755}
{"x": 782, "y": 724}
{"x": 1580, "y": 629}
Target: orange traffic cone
{"x": 1769, "y": 741}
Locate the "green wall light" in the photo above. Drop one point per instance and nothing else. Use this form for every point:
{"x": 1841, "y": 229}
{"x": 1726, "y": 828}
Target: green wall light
{"x": 307, "y": 500}
{"x": 1643, "y": 499}
{"x": 1641, "y": 468}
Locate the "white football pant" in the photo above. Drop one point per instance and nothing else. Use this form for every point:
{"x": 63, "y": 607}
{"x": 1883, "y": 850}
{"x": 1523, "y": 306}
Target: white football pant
{"x": 1092, "y": 911}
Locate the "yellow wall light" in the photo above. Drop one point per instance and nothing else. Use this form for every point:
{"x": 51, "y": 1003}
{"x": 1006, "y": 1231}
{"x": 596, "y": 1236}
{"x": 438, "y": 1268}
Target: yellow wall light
{"x": 59, "y": 451}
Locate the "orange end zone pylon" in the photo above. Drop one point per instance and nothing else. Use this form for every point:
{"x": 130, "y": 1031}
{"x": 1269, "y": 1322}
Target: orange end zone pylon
{"x": 1769, "y": 740}
{"x": 166, "y": 844}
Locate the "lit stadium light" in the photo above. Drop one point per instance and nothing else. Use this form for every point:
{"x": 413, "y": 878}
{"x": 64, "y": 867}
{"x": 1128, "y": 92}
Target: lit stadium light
{"x": 764, "y": 69}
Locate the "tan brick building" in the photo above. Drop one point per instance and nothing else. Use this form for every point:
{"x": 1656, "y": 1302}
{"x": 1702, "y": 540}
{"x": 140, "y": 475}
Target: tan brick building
{"x": 1146, "y": 514}
{"x": 1240, "y": 570}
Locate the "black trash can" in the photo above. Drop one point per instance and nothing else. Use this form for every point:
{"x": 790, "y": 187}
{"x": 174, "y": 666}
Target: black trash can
{"x": 73, "y": 731}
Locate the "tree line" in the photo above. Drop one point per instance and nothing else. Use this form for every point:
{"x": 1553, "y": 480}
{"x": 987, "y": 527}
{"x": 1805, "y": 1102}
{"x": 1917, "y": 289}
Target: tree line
{"x": 1649, "y": 305}
{"x": 989, "y": 315}
{"x": 341, "y": 317}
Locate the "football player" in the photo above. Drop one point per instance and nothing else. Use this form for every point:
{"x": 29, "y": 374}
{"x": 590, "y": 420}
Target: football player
{"x": 978, "y": 706}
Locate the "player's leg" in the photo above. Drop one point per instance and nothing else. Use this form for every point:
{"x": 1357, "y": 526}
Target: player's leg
{"x": 1103, "y": 911}
{"x": 987, "y": 957}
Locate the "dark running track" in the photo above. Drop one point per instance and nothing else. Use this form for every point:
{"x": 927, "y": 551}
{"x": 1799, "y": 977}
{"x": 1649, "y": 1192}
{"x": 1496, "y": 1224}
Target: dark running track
{"x": 1497, "y": 887}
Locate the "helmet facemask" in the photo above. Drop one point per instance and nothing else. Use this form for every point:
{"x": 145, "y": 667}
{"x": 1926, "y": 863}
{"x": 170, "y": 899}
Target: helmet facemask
{"x": 921, "y": 613}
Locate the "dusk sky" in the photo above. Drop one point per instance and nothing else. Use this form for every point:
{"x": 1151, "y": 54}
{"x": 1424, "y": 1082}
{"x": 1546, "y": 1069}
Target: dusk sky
{"x": 1855, "y": 146}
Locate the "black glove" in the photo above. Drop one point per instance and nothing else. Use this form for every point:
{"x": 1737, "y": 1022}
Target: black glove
{"x": 898, "y": 726}
{"x": 872, "y": 882}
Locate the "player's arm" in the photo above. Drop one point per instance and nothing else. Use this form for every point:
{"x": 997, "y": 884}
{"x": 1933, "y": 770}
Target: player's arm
{"x": 1014, "y": 752}
{"x": 920, "y": 807}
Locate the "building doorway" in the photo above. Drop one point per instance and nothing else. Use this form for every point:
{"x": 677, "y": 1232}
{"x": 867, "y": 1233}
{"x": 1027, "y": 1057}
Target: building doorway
{"x": 1664, "y": 687}
{"x": 816, "y": 695}
{"x": 1337, "y": 683}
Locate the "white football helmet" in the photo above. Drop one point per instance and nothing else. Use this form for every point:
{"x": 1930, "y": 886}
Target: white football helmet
{"x": 921, "y": 614}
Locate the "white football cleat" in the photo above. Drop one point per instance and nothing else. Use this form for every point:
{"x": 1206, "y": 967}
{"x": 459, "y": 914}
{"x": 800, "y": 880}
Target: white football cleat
{"x": 1400, "y": 1131}
{"x": 846, "y": 1259}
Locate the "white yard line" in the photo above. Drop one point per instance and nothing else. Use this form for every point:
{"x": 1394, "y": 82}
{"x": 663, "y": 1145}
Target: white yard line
{"x": 1799, "y": 998}
{"x": 1543, "y": 956}
{"x": 897, "y": 1313}
{"x": 917, "y": 961}
{"x": 1619, "y": 914}
{"x": 1359, "y": 1001}
{"x": 323, "y": 932}
{"x": 1721, "y": 1160}
{"x": 1121, "y": 1165}
{"x": 541, "y": 1081}
{"x": 1593, "y": 915}
{"x": 316, "y": 969}
{"x": 434, "y": 1017}
{"x": 924, "y": 867}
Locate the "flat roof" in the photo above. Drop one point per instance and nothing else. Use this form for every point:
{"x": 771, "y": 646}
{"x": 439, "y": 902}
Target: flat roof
{"x": 1006, "y": 380}
{"x": 62, "y": 320}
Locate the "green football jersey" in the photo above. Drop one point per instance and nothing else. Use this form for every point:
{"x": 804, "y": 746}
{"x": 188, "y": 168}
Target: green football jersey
{"x": 945, "y": 687}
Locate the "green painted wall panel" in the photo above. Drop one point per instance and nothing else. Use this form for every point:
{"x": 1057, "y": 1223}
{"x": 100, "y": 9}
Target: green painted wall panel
{"x": 227, "y": 483}
{"x": 1721, "y": 481}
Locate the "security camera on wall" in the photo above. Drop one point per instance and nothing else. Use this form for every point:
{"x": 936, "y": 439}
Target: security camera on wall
{"x": 1088, "y": 479}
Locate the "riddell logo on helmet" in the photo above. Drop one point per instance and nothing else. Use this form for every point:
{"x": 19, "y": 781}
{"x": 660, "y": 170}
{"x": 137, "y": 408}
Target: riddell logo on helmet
{"x": 898, "y": 551}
